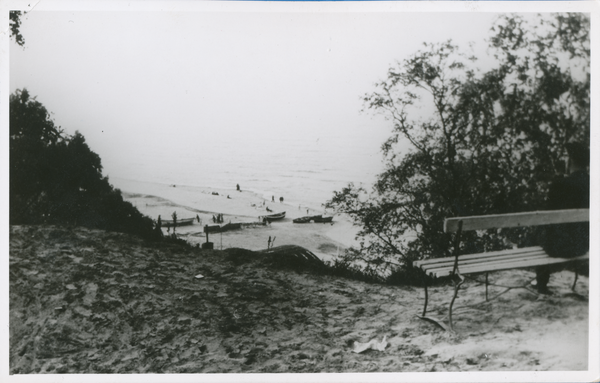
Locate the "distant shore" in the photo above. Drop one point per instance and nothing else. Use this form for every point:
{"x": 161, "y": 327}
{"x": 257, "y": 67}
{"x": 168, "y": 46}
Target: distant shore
{"x": 152, "y": 199}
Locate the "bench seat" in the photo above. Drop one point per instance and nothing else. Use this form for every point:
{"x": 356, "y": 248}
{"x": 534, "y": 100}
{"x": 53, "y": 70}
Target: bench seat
{"x": 492, "y": 261}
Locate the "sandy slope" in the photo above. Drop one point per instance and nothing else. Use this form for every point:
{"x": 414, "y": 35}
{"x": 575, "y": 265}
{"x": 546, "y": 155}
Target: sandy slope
{"x": 84, "y": 301}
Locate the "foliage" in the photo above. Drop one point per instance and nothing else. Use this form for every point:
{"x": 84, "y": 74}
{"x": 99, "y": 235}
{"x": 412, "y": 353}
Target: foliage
{"x": 546, "y": 72}
{"x": 15, "y": 27}
{"x": 480, "y": 142}
{"x": 341, "y": 267}
{"x": 55, "y": 178}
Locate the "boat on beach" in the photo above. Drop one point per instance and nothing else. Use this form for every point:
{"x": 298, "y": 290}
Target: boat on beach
{"x": 272, "y": 217}
{"x": 314, "y": 218}
{"x": 180, "y": 222}
{"x": 302, "y": 220}
{"x": 230, "y": 226}
{"x": 322, "y": 219}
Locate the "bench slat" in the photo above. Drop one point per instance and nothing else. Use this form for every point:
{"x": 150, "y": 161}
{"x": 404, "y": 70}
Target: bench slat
{"x": 535, "y": 218}
{"x": 516, "y": 264}
{"x": 522, "y": 250}
{"x": 464, "y": 262}
{"x": 464, "y": 268}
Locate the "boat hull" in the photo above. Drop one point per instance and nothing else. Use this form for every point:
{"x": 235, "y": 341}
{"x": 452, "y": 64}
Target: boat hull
{"x": 272, "y": 217}
{"x": 302, "y": 220}
{"x": 180, "y": 222}
{"x": 321, "y": 219}
{"x": 313, "y": 218}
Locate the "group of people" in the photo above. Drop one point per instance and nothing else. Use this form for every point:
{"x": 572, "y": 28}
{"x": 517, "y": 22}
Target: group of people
{"x": 218, "y": 218}
{"x": 158, "y": 226}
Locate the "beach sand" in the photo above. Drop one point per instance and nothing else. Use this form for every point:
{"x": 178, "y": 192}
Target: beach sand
{"x": 89, "y": 301}
{"x": 323, "y": 239}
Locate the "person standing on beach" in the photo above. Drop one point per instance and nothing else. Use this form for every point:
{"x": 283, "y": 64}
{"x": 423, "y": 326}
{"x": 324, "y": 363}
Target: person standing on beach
{"x": 269, "y": 243}
{"x": 572, "y": 192}
{"x": 158, "y": 228}
{"x": 174, "y": 216}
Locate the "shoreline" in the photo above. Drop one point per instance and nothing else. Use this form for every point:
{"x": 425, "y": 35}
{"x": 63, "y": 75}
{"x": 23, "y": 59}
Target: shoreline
{"x": 152, "y": 199}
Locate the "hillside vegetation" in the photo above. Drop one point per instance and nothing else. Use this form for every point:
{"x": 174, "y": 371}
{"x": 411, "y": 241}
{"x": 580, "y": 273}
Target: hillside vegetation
{"x": 56, "y": 179}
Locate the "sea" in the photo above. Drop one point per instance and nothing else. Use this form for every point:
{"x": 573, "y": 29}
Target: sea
{"x": 304, "y": 169}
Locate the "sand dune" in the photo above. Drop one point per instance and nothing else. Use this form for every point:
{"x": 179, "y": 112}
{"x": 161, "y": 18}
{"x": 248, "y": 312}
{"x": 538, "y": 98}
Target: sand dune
{"x": 87, "y": 301}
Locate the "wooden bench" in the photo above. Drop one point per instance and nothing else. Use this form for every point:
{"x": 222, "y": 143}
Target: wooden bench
{"x": 459, "y": 265}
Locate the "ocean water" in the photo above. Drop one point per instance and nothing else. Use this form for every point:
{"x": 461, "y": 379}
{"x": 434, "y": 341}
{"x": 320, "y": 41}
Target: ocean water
{"x": 305, "y": 169}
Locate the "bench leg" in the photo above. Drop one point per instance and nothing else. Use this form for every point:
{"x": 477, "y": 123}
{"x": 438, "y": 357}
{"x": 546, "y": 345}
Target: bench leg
{"x": 486, "y": 287}
{"x": 575, "y": 281}
{"x": 433, "y": 320}
{"x": 426, "y": 299}
{"x": 456, "y": 287}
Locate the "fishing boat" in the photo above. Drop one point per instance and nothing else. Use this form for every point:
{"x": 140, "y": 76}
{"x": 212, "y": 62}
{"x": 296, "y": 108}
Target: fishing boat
{"x": 212, "y": 228}
{"x": 231, "y": 226}
{"x": 302, "y": 219}
{"x": 180, "y": 222}
{"x": 322, "y": 219}
{"x": 272, "y": 217}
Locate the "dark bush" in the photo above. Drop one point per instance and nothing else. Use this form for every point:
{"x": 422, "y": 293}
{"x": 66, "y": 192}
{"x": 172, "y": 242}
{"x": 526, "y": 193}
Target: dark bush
{"x": 57, "y": 179}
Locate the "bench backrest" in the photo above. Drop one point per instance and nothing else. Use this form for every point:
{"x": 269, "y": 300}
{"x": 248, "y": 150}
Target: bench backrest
{"x": 533, "y": 218}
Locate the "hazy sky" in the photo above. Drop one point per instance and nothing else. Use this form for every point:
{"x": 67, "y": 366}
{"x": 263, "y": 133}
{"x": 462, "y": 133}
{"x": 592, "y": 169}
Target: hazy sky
{"x": 124, "y": 78}
{"x": 133, "y": 79}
